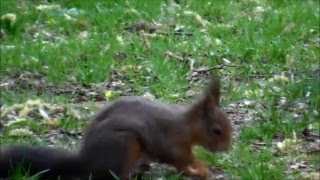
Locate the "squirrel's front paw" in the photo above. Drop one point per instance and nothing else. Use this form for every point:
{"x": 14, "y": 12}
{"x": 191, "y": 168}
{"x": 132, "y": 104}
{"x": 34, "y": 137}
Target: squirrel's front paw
{"x": 199, "y": 172}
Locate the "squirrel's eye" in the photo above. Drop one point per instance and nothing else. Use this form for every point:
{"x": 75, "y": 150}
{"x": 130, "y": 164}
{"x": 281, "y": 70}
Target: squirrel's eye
{"x": 216, "y": 131}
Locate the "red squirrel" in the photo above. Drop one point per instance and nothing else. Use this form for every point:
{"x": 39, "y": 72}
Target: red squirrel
{"x": 129, "y": 132}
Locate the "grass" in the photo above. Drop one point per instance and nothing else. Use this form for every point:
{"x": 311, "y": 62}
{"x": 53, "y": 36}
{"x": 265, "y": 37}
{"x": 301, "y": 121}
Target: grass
{"x": 270, "y": 50}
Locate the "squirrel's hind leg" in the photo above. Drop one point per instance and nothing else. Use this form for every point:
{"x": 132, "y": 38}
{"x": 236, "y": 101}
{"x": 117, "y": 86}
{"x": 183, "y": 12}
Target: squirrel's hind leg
{"x": 112, "y": 153}
{"x": 133, "y": 155}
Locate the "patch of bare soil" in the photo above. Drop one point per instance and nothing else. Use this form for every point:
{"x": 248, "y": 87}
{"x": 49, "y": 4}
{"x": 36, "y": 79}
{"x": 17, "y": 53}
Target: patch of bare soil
{"x": 76, "y": 91}
{"x": 27, "y": 119}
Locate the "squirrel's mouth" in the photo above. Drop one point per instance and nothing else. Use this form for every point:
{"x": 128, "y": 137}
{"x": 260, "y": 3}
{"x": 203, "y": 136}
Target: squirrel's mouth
{"x": 218, "y": 147}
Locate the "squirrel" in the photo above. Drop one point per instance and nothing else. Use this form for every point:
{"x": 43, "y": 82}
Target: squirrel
{"x": 129, "y": 133}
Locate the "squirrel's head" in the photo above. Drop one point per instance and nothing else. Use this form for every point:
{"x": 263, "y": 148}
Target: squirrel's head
{"x": 213, "y": 127}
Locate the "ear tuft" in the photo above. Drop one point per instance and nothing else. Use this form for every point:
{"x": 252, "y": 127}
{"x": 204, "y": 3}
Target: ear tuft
{"x": 213, "y": 90}
{"x": 210, "y": 99}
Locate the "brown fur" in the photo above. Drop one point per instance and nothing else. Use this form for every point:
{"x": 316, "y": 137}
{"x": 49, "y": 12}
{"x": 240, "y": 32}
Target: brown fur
{"x": 133, "y": 130}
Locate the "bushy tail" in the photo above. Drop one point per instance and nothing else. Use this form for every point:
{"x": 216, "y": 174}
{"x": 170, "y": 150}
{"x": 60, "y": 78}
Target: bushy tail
{"x": 51, "y": 162}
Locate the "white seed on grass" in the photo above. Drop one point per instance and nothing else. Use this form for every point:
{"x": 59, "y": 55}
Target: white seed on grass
{"x": 47, "y": 7}
{"x": 148, "y": 95}
{"x": 226, "y": 61}
{"x": 218, "y": 42}
{"x": 43, "y": 113}
{"x": 120, "y": 40}
{"x": 282, "y": 101}
{"x": 247, "y": 102}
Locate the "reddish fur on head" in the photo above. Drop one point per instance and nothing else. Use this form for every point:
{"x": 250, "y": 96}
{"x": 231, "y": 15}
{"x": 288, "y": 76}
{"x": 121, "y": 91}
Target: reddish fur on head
{"x": 214, "y": 129}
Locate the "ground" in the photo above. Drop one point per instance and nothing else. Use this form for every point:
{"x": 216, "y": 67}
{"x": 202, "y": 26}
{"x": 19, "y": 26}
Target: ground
{"x": 61, "y": 60}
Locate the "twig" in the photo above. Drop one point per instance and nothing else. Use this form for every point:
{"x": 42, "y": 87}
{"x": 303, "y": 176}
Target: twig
{"x": 174, "y": 56}
{"x": 316, "y": 151}
{"x": 223, "y": 66}
{"x": 181, "y": 59}
{"x": 176, "y": 33}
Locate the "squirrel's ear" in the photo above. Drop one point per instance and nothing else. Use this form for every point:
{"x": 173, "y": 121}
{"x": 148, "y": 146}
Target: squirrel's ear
{"x": 210, "y": 98}
{"x": 212, "y": 94}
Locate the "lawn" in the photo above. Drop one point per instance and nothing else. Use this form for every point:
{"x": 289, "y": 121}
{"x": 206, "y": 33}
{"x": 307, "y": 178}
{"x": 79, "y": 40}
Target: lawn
{"x": 62, "y": 59}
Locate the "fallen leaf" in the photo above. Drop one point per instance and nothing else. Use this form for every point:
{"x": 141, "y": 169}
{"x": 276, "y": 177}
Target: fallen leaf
{"x": 20, "y": 132}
